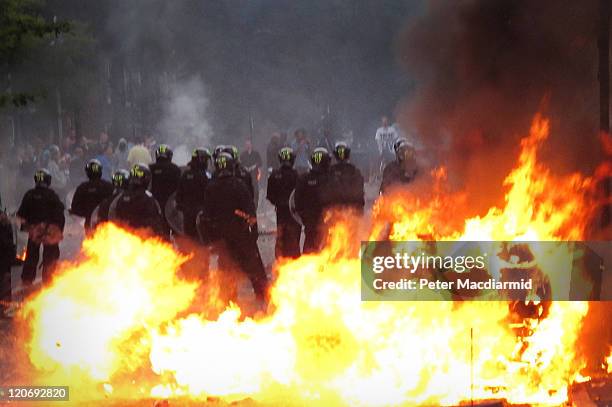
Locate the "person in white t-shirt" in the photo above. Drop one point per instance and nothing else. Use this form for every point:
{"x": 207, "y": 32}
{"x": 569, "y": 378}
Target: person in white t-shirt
{"x": 386, "y": 135}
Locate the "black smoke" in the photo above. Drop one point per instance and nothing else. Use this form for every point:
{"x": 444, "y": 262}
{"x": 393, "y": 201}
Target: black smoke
{"x": 482, "y": 70}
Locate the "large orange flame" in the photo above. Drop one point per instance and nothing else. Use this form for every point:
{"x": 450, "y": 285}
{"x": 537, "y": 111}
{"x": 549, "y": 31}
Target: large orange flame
{"x": 537, "y": 206}
{"x": 116, "y": 323}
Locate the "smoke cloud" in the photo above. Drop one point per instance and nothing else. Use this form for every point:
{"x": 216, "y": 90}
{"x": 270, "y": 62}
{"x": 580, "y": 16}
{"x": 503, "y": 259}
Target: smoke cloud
{"x": 184, "y": 122}
{"x": 482, "y": 69}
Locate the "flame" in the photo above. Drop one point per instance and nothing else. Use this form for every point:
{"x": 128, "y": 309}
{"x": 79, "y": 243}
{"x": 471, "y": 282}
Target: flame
{"x": 608, "y": 363}
{"x": 89, "y": 323}
{"x": 119, "y": 318}
{"x": 537, "y": 206}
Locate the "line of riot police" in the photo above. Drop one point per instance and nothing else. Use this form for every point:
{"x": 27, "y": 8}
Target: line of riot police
{"x": 214, "y": 209}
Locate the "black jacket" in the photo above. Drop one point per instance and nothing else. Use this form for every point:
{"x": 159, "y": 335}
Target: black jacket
{"x": 312, "y": 195}
{"x": 347, "y": 185}
{"x": 88, "y": 195}
{"x": 281, "y": 183}
{"x": 41, "y": 204}
{"x": 228, "y": 209}
{"x": 104, "y": 206}
{"x": 191, "y": 188}
{"x": 243, "y": 174}
{"x": 165, "y": 176}
{"x": 138, "y": 209}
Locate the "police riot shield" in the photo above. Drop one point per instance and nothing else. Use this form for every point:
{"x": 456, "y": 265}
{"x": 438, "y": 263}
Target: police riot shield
{"x": 173, "y": 215}
{"x": 20, "y": 237}
{"x": 292, "y": 209}
{"x": 112, "y": 209}
{"x": 200, "y": 226}
{"x": 69, "y": 197}
{"x": 94, "y": 219}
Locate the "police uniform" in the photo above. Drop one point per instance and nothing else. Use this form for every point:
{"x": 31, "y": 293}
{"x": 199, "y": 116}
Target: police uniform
{"x": 87, "y": 196}
{"x": 243, "y": 174}
{"x": 43, "y": 212}
{"x": 104, "y": 207}
{"x": 137, "y": 209}
{"x": 281, "y": 183}
{"x": 311, "y": 198}
{"x": 347, "y": 185}
{"x": 190, "y": 197}
{"x": 165, "y": 176}
{"x": 228, "y": 215}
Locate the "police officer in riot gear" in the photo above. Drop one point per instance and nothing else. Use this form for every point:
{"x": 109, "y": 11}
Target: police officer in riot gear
{"x": 216, "y": 151}
{"x": 136, "y": 207}
{"x": 401, "y": 171}
{"x": 347, "y": 181}
{"x": 281, "y": 183}
{"x": 43, "y": 213}
{"x": 312, "y": 196}
{"x": 165, "y": 175}
{"x": 227, "y": 219}
{"x": 190, "y": 191}
{"x": 90, "y": 193}
{"x": 120, "y": 180}
{"x": 239, "y": 170}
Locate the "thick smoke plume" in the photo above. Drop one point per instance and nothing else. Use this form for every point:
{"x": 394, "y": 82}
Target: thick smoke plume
{"x": 482, "y": 69}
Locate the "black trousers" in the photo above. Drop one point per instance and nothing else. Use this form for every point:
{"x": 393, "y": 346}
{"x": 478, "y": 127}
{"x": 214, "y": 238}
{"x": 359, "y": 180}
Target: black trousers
{"x": 312, "y": 237}
{"x": 51, "y": 254}
{"x": 245, "y": 253}
{"x": 288, "y": 233}
{"x": 189, "y": 224}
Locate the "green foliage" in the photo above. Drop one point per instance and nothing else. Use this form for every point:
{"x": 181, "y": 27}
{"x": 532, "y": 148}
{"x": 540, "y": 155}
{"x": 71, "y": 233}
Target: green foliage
{"x": 22, "y": 30}
{"x": 21, "y": 99}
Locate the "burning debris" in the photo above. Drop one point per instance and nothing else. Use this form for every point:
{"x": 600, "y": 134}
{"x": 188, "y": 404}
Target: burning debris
{"x": 120, "y": 323}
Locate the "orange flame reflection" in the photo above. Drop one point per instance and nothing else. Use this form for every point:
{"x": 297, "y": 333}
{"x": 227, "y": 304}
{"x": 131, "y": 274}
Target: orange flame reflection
{"x": 22, "y": 255}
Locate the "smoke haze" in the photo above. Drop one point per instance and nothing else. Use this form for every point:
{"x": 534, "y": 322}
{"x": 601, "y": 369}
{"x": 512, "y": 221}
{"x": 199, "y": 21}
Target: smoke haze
{"x": 184, "y": 118}
{"x": 281, "y": 65}
{"x": 469, "y": 74}
{"x": 193, "y": 72}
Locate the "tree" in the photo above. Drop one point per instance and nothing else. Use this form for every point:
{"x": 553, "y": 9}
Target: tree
{"x": 22, "y": 29}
